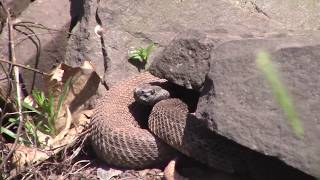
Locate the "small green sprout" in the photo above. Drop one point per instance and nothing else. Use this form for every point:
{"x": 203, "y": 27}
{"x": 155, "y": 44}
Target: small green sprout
{"x": 46, "y": 108}
{"x": 141, "y": 54}
{"x": 44, "y": 114}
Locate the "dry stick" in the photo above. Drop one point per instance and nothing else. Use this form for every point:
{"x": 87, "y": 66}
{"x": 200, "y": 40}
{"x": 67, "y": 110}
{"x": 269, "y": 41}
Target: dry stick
{"x": 37, "y": 42}
{"x": 41, "y": 26}
{"x": 16, "y": 76}
{"x": 25, "y": 67}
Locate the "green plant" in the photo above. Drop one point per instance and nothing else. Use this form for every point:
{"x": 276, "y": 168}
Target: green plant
{"x": 46, "y": 108}
{"x": 281, "y": 95}
{"x": 44, "y": 114}
{"x": 5, "y": 130}
{"x": 141, "y": 54}
{"x": 29, "y": 127}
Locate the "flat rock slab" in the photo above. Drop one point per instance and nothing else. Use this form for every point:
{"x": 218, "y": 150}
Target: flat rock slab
{"x": 237, "y": 102}
{"x": 291, "y": 14}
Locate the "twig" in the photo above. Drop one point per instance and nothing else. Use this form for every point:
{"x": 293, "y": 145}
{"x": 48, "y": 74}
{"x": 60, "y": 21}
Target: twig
{"x": 79, "y": 169}
{"x": 21, "y": 40}
{"x": 41, "y": 26}
{"x": 37, "y": 43}
{"x": 24, "y": 67}
{"x": 14, "y": 113}
{"x": 16, "y": 76}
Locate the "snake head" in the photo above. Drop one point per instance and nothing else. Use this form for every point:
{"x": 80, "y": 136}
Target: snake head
{"x": 149, "y": 94}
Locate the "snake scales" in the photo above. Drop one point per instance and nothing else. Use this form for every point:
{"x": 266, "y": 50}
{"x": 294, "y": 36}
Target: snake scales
{"x": 117, "y": 138}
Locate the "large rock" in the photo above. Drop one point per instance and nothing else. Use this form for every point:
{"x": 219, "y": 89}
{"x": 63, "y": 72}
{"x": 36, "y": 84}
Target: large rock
{"x": 40, "y": 40}
{"x": 291, "y": 14}
{"x": 128, "y": 24}
{"x": 237, "y": 102}
{"x": 185, "y": 61}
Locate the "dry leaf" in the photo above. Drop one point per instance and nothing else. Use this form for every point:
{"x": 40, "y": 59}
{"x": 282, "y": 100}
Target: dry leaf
{"x": 57, "y": 74}
{"x": 170, "y": 172}
{"x": 108, "y": 173}
{"x": 52, "y": 145}
{"x": 24, "y": 155}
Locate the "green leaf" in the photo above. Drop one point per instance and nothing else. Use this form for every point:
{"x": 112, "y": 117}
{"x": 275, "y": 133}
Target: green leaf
{"x": 137, "y": 57}
{"x": 141, "y": 54}
{"x": 7, "y": 132}
{"x": 281, "y": 95}
{"x": 27, "y": 106}
{"x": 11, "y": 134}
{"x": 29, "y": 126}
{"x": 133, "y": 53}
{"x": 13, "y": 120}
{"x": 50, "y": 108}
{"x": 62, "y": 97}
{"x": 38, "y": 97}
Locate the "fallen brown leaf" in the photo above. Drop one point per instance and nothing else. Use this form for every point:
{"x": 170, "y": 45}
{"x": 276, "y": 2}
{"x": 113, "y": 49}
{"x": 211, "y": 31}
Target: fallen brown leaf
{"x": 24, "y": 155}
{"x": 108, "y": 173}
{"x": 170, "y": 172}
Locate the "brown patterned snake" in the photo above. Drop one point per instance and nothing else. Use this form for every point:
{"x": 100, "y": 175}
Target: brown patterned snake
{"x": 117, "y": 138}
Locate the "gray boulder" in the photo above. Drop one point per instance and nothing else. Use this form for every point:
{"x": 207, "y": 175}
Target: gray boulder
{"x": 40, "y": 40}
{"x": 184, "y": 62}
{"x": 127, "y": 24}
{"x": 237, "y": 103}
{"x": 294, "y": 15}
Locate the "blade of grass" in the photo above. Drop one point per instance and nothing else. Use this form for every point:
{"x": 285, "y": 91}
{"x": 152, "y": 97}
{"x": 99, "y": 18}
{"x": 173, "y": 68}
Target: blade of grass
{"x": 50, "y": 105}
{"x": 270, "y": 72}
{"x": 12, "y": 134}
{"x": 62, "y": 97}
{"x": 27, "y": 106}
{"x": 38, "y": 97}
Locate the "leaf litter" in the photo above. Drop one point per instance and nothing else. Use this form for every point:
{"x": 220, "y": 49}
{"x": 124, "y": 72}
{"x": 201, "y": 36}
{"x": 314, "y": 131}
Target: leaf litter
{"x": 71, "y": 120}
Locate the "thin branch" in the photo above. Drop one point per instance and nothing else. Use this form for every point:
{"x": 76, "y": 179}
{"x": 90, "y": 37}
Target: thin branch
{"x": 40, "y": 26}
{"x": 37, "y": 43}
{"x": 21, "y": 40}
{"x": 79, "y": 169}
{"x": 14, "y": 113}
{"x": 17, "y": 84}
{"x": 25, "y": 67}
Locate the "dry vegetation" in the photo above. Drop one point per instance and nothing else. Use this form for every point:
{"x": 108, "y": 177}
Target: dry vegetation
{"x": 41, "y": 137}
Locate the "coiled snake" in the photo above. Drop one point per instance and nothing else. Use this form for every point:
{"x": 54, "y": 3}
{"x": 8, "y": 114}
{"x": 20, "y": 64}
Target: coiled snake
{"x": 118, "y": 139}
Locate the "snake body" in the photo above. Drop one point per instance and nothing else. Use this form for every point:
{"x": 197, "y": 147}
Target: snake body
{"x": 117, "y": 138}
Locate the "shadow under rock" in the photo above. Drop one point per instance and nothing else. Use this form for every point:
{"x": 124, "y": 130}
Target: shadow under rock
{"x": 240, "y": 159}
